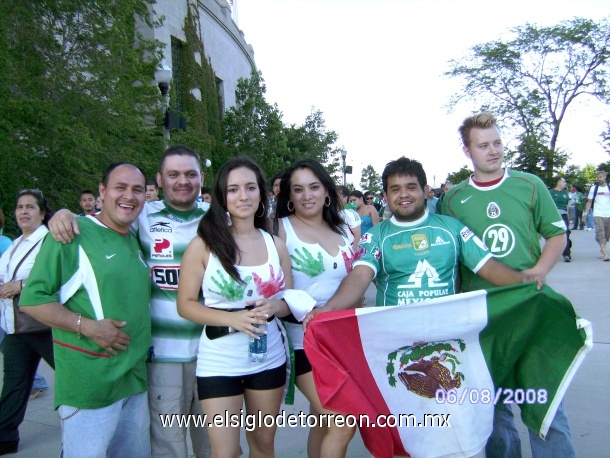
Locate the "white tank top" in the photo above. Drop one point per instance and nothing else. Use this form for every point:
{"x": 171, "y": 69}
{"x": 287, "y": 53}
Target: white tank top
{"x": 228, "y": 355}
{"x": 315, "y": 271}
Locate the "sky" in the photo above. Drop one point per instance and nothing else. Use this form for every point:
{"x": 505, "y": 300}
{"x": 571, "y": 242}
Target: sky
{"x": 375, "y": 70}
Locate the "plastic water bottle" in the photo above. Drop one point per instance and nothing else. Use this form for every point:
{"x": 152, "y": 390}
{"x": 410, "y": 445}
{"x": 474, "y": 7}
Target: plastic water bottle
{"x": 257, "y": 350}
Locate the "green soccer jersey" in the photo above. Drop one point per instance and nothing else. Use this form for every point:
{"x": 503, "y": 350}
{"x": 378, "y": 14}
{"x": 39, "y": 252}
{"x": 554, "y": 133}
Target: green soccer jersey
{"x": 419, "y": 260}
{"x": 508, "y": 216}
{"x": 561, "y": 199}
{"x": 102, "y": 274}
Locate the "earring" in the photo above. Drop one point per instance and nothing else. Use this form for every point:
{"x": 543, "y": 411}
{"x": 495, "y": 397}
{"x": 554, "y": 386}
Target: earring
{"x": 229, "y": 222}
{"x": 263, "y": 212}
{"x": 327, "y": 204}
{"x": 288, "y": 206}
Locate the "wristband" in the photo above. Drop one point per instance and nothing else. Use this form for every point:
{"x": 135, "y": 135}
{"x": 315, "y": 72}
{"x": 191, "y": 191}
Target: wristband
{"x": 80, "y": 317}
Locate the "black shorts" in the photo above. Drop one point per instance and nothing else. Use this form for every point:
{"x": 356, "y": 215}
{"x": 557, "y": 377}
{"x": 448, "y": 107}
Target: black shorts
{"x": 221, "y": 387}
{"x": 301, "y": 363}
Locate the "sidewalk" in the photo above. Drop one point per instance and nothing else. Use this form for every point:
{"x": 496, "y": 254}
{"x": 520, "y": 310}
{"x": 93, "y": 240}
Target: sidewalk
{"x": 584, "y": 281}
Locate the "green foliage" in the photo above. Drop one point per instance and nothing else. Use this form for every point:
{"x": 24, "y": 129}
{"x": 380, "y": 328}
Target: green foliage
{"x": 459, "y": 176}
{"x": 531, "y": 80}
{"x": 204, "y": 129}
{"x": 76, "y": 95}
{"x": 254, "y": 128}
{"x": 370, "y": 180}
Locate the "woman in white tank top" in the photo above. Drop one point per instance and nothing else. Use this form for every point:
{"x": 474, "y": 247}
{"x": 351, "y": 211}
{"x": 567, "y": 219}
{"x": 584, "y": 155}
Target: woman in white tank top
{"x": 237, "y": 264}
{"x": 320, "y": 247}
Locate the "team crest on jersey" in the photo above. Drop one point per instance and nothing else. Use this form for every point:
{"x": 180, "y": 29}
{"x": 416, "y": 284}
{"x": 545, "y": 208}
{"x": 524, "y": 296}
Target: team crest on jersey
{"x": 493, "y": 210}
{"x": 162, "y": 248}
{"x": 161, "y": 227}
{"x": 420, "y": 241}
{"x": 174, "y": 218}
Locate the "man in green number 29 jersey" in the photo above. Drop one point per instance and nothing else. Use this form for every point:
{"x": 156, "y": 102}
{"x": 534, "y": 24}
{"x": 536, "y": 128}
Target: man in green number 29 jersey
{"x": 509, "y": 210}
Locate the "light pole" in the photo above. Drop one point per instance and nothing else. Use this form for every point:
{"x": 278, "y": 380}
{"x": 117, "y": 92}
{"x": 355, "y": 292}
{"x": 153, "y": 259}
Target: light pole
{"x": 163, "y": 77}
{"x": 343, "y": 155}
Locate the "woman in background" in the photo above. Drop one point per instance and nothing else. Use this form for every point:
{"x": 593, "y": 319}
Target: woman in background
{"x": 22, "y": 352}
{"x": 368, "y": 213}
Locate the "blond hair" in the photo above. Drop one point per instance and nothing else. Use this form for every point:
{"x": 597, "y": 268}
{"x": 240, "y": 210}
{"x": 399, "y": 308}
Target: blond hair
{"x": 483, "y": 120}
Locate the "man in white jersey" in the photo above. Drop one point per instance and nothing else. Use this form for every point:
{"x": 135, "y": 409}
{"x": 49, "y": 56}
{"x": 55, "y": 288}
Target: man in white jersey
{"x": 164, "y": 230}
{"x": 415, "y": 255}
{"x": 509, "y": 210}
{"x": 95, "y": 292}
{"x": 599, "y": 199}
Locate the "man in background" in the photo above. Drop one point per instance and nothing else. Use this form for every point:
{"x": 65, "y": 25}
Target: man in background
{"x": 87, "y": 203}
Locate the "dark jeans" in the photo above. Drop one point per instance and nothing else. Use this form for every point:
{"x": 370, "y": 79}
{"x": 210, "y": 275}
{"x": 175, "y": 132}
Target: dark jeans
{"x": 578, "y": 221}
{"x": 568, "y": 248}
{"x": 22, "y": 353}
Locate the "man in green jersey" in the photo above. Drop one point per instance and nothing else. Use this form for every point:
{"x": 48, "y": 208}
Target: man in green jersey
{"x": 561, "y": 198}
{"x": 415, "y": 255}
{"x": 509, "y": 210}
{"x": 164, "y": 229}
{"x": 95, "y": 292}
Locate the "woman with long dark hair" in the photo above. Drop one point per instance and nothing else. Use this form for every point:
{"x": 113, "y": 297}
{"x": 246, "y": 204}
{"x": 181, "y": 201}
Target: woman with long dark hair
{"x": 320, "y": 247}
{"x": 241, "y": 270}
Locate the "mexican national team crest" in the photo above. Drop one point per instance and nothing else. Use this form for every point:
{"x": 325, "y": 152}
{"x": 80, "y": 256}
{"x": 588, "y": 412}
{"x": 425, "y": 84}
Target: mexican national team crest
{"x": 493, "y": 210}
{"x": 420, "y": 241}
{"x": 426, "y": 367}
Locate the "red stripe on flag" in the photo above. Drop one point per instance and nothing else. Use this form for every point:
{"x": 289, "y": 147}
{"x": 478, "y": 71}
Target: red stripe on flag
{"x": 338, "y": 391}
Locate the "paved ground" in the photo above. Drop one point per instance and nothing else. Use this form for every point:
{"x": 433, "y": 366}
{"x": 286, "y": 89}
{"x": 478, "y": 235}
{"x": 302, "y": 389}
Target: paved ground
{"x": 584, "y": 281}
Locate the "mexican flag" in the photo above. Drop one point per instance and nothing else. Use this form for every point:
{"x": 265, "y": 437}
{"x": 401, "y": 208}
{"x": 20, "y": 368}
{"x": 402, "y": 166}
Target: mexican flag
{"x": 440, "y": 366}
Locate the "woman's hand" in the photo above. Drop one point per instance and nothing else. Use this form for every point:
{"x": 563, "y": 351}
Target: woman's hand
{"x": 10, "y": 289}
{"x": 248, "y": 320}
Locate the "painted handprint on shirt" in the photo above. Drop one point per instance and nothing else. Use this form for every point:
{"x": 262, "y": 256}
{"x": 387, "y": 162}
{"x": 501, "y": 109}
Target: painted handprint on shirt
{"x": 350, "y": 257}
{"x": 272, "y": 286}
{"x": 306, "y": 263}
{"x": 232, "y": 290}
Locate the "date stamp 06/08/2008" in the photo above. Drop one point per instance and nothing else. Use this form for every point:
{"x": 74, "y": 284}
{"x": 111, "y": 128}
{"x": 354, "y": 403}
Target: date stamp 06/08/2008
{"x": 487, "y": 396}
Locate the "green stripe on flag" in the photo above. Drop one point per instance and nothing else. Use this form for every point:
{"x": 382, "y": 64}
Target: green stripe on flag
{"x": 533, "y": 340}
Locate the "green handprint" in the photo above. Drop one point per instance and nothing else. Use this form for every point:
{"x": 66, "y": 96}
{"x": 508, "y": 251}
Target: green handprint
{"x": 233, "y": 290}
{"x": 308, "y": 265}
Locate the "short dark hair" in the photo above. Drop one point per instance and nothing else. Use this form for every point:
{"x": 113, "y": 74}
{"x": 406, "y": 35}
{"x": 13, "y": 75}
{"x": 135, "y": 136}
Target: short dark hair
{"x": 87, "y": 191}
{"x": 206, "y": 190}
{"x": 403, "y": 166}
{"x": 357, "y": 194}
{"x": 179, "y": 150}
{"x": 151, "y": 182}
{"x": 113, "y": 166}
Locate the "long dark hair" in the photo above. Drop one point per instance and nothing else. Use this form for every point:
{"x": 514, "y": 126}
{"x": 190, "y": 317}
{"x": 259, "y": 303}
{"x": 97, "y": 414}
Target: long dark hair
{"x": 330, "y": 213}
{"x": 214, "y": 226}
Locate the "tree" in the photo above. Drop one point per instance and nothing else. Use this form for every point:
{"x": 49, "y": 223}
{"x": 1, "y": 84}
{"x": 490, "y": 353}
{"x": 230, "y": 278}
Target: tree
{"x": 533, "y": 78}
{"x": 370, "y": 180}
{"x": 204, "y": 131}
{"x": 313, "y": 140}
{"x": 76, "y": 94}
{"x": 254, "y": 128}
{"x": 459, "y": 176}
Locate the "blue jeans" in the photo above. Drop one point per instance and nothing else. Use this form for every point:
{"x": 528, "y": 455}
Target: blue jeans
{"x": 40, "y": 383}
{"x": 504, "y": 441}
{"x": 119, "y": 430}
{"x": 590, "y": 223}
